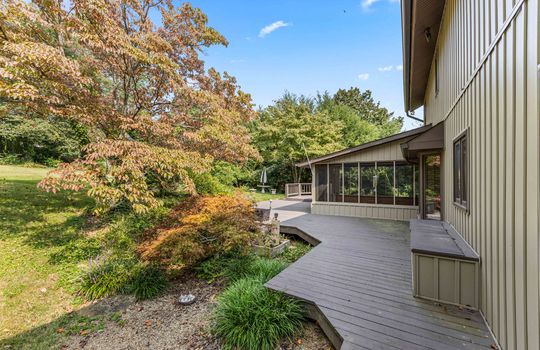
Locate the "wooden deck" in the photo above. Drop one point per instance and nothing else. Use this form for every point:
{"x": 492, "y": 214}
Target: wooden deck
{"x": 357, "y": 282}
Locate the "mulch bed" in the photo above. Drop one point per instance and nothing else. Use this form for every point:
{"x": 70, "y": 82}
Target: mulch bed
{"x": 162, "y": 323}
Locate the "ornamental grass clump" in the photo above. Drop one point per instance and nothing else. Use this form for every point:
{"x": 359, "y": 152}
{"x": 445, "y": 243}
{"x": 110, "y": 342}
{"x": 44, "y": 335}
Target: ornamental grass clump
{"x": 108, "y": 276}
{"x": 148, "y": 282}
{"x": 105, "y": 277}
{"x": 250, "y": 316}
{"x": 262, "y": 269}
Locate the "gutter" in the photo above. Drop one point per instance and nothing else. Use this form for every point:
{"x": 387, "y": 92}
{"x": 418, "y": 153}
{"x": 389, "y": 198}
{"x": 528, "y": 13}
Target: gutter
{"x": 406, "y": 18}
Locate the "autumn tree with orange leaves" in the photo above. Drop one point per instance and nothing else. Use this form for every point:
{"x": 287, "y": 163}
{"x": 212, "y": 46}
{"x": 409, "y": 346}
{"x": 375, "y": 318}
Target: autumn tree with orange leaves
{"x": 155, "y": 114}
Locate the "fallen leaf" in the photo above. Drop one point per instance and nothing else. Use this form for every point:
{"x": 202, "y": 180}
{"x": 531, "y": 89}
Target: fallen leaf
{"x": 148, "y": 323}
{"x": 60, "y": 330}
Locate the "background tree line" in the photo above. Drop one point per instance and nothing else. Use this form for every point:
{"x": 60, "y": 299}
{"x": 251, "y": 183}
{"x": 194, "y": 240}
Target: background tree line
{"x": 130, "y": 112}
{"x": 284, "y": 133}
{"x": 296, "y": 127}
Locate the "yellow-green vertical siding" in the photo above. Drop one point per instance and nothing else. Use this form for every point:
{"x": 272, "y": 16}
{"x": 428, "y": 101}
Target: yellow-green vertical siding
{"x": 488, "y": 58}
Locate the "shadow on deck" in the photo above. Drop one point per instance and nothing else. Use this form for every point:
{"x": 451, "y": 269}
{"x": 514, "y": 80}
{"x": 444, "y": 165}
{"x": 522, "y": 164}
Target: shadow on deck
{"x": 357, "y": 285}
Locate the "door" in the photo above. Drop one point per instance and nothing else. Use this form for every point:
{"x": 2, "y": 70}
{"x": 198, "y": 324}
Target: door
{"x": 431, "y": 187}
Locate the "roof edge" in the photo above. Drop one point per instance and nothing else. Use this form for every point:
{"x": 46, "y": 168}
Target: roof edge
{"x": 366, "y": 145}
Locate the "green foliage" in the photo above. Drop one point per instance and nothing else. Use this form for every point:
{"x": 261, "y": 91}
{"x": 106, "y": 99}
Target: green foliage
{"x": 209, "y": 185}
{"x": 250, "y": 316}
{"x": 369, "y": 110}
{"x": 226, "y": 265}
{"x": 287, "y": 130}
{"x": 296, "y": 127}
{"x": 262, "y": 269}
{"x": 105, "y": 278}
{"x": 229, "y": 174}
{"x": 148, "y": 282}
{"x": 113, "y": 276}
{"x": 44, "y": 141}
{"x": 295, "y": 251}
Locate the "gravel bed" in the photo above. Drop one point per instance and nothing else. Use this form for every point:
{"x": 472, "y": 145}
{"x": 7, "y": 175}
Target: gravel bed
{"x": 162, "y": 324}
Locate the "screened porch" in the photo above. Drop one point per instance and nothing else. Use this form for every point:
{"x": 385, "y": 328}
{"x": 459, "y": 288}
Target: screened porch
{"x": 392, "y": 183}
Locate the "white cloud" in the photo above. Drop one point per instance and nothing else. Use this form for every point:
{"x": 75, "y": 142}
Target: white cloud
{"x": 240, "y": 60}
{"x": 386, "y": 68}
{"x": 366, "y": 4}
{"x": 271, "y": 27}
{"x": 400, "y": 67}
{"x": 363, "y": 76}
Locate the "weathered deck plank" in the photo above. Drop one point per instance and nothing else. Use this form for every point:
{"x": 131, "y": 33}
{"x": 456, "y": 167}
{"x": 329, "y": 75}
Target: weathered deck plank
{"x": 359, "y": 278}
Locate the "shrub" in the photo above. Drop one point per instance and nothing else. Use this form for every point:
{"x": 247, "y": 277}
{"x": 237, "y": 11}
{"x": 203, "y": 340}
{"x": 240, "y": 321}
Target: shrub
{"x": 208, "y": 184}
{"x": 148, "y": 282}
{"x": 249, "y": 316}
{"x": 105, "y": 277}
{"x": 205, "y": 226}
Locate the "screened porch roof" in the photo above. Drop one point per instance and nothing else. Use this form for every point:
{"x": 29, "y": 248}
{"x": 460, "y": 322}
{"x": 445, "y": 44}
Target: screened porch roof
{"x": 430, "y": 140}
{"x": 365, "y": 146}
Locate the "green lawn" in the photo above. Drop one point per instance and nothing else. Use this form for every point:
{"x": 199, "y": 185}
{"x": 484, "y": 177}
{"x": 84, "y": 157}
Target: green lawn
{"x": 42, "y": 241}
{"x": 261, "y": 197}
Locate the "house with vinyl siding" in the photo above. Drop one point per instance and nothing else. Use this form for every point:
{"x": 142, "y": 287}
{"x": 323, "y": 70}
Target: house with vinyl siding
{"x": 472, "y": 68}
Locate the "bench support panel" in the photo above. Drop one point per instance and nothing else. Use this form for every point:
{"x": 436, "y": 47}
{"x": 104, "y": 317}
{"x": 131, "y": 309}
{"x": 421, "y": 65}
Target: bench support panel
{"x": 446, "y": 280}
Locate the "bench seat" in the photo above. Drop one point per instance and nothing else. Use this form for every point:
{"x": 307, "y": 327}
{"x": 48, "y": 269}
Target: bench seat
{"x": 445, "y": 268}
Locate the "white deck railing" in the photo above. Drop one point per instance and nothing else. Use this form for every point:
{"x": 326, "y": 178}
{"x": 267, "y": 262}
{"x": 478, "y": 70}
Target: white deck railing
{"x": 297, "y": 189}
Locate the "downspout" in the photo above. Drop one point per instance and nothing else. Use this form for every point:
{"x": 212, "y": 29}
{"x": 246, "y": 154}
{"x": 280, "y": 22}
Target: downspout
{"x": 411, "y": 115}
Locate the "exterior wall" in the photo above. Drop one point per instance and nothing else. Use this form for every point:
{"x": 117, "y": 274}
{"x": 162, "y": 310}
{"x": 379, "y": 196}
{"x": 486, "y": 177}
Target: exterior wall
{"x": 386, "y": 152}
{"x": 488, "y": 76}
{"x": 381, "y": 211}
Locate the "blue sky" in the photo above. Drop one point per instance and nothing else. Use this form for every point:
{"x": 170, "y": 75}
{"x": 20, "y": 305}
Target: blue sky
{"x": 305, "y": 46}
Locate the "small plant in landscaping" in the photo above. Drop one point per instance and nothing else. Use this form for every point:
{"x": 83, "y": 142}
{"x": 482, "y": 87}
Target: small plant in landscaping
{"x": 106, "y": 277}
{"x": 262, "y": 269}
{"x": 227, "y": 265}
{"x": 250, "y": 316}
{"x": 148, "y": 282}
{"x": 295, "y": 251}
{"x": 233, "y": 268}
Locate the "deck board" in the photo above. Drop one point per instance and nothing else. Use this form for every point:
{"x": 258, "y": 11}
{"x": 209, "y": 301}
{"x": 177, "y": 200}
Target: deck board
{"x": 359, "y": 278}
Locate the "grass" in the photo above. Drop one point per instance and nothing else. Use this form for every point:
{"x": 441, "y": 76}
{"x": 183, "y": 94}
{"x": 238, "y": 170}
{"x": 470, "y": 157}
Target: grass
{"x": 262, "y": 197}
{"x": 46, "y": 243}
{"x": 41, "y": 243}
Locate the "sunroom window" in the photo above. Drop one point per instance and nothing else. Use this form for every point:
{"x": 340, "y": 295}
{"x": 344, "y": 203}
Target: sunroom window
{"x": 321, "y": 182}
{"x": 336, "y": 182}
{"x": 351, "y": 182}
{"x": 405, "y": 185}
{"x": 387, "y": 183}
{"x": 367, "y": 188}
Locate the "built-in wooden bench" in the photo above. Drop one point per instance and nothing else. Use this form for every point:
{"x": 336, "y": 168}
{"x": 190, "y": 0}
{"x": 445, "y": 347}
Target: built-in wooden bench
{"x": 445, "y": 268}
